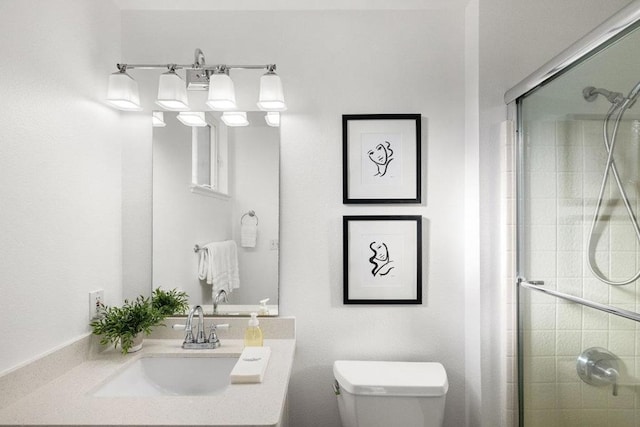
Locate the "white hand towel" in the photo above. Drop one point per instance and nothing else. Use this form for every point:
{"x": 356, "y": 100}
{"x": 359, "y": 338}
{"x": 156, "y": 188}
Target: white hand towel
{"x": 218, "y": 265}
{"x": 248, "y": 235}
{"x": 251, "y": 365}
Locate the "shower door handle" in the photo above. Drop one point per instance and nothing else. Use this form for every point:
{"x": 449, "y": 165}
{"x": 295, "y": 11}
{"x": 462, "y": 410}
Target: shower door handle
{"x": 530, "y": 282}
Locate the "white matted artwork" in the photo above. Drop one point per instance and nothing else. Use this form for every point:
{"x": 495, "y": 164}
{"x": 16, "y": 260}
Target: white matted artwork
{"x": 382, "y": 259}
{"x": 381, "y": 158}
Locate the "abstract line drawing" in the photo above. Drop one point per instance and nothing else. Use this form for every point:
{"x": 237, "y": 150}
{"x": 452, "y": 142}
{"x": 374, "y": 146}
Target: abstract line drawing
{"x": 381, "y": 155}
{"x": 382, "y": 264}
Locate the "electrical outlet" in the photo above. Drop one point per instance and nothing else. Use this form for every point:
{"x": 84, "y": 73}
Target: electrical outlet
{"x": 96, "y": 298}
{"x": 273, "y": 244}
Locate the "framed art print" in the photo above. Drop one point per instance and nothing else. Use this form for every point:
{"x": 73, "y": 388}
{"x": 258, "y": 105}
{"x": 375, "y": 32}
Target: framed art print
{"x": 382, "y": 259}
{"x": 381, "y": 158}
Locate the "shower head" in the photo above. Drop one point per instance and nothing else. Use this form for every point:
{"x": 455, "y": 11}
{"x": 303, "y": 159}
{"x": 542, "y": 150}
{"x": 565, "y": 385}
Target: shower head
{"x": 590, "y": 93}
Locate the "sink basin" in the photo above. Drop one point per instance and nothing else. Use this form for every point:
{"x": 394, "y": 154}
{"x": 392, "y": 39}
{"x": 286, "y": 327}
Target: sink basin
{"x": 170, "y": 376}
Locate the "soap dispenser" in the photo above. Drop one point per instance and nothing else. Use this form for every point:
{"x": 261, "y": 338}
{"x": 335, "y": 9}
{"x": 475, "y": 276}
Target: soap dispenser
{"x": 253, "y": 334}
{"x": 263, "y": 310}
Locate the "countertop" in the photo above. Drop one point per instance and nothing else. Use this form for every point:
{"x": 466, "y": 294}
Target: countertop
{"x": 66, "y": 400}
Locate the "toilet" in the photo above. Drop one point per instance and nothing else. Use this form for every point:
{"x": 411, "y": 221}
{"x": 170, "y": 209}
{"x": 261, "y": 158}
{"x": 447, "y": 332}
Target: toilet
{"x": 383, "y": 394}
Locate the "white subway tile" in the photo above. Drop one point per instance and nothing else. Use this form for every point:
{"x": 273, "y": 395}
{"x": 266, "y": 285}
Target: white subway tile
{"x": 595, "y": 397}
{"x": 542, "y": 158}
{"x": 622, "y": 265}
{"x": 541, "y": 418}
{"x": 569, "y": 158}
{"x": 592, "y": 132}
{"x": 570, "y": 264}
{"x": 540, "y": 369}
{"x": 568, "y": 132}
{"x": 542, "y": 264}
{"x": 594, "y": 338}
{"x": 622, "y": 343}
{"x": 542, "y": 396}
{"x": 568, "y": 343}
{"x": 617, "y": 323}
{"x": 569, "y": 317}
{"x": 595, "y": 290}
{"x": 594, "y": 320}
{"x": 542, "y": 212}
{"x": 570, "y": 211}
{"x": 570, "y": 286}
{"x": 542, "y": 237}
{"x": 569, "y": 185}
{"x": 542, "y": 185}
{"x": 566, "y": 369}
{"x": 623, "y": 237}
{"x": 623, "y": 296}
{"x": 569, "y": 395}
{"x": 622, "y": 418}
{"x": 570, "y": 238}
{"x": 542, "y": 343}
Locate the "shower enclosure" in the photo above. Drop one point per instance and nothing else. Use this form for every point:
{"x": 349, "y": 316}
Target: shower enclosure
{"x": 578, "y": 238}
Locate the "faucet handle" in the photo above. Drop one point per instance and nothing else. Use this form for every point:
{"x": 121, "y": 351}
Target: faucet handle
{"x": 213, "y": 337}
{"x": 189, "y": 336}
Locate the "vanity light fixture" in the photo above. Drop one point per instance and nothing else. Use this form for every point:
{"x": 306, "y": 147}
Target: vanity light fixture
{"x": 271, "y": 94}
{"x": 157, "y": 119}
{"x": 172, "y": 89}
{"x": 192, "y": 118}
{"x": 122, "y": 92}
{"x": 272, "y": 118}
{"x": 235, "y": 118}
{"x": 222, "y": 94}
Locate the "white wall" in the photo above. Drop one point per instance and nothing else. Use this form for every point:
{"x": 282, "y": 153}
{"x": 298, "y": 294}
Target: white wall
{"x": 335, "y": 63}
{"x": 60, "y": 172}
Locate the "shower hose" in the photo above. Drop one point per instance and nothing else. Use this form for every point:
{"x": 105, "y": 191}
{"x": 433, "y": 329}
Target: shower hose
{"x": 619, "y": 106}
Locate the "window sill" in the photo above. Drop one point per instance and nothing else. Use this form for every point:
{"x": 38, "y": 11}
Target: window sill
{"x": 206, "y": 191}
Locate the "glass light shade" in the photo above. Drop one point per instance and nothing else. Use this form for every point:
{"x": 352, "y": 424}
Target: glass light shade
{"x": 123, "y": 92}
{"x": 157, "y": 119}
{"x": 271, "y": 95}
{"x": 192, "y": 118}
{"x": 172, "y": 92}
{"x": 272, "y": 118}
{"x": 222, "y": 94}
{"x": 235, "y": 118}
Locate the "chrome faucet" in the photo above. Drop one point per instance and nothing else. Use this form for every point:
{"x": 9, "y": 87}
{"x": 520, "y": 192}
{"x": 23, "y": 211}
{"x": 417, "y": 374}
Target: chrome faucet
{"x": 220, "y": 295}
{"x": 200, "y": 341}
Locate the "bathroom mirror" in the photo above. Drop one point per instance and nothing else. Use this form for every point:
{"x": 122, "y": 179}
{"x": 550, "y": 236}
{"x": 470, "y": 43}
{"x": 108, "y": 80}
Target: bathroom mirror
{"x": 209, "y": 182}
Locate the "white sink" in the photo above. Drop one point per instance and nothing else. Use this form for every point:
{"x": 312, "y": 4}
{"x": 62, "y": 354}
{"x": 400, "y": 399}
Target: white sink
{"x": 170, "y": 376}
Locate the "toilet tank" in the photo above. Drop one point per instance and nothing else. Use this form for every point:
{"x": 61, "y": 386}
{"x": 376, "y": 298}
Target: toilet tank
{"x": 382, "y": 394}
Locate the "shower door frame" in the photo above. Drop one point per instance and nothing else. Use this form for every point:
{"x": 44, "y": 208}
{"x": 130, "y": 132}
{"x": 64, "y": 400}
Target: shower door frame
{"x": 623, "y": 22}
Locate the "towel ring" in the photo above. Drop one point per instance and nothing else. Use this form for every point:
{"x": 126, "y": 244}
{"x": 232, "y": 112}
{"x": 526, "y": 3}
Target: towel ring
{"x": 252, "y": 214}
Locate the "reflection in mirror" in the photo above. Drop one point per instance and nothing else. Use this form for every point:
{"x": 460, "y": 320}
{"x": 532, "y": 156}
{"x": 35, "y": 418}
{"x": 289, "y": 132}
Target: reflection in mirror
{"x": 206, "y": 181}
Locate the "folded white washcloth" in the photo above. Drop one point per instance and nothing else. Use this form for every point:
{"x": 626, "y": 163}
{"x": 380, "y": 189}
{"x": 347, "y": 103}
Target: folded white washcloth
{"x": 251, "y": 365}
{"x": 248, "y": 235}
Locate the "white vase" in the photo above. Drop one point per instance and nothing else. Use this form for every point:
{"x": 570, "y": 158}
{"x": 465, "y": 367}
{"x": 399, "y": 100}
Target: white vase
{"x": 137, "y": 343}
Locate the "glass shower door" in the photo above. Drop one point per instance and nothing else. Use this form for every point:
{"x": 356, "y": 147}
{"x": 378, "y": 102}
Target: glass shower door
{"x": 579, "y": 337}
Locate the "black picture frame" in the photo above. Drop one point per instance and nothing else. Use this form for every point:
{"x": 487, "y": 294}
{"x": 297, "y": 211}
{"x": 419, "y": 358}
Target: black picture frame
{"x": 366, "y": 137}
{"x": 382, "y": 259}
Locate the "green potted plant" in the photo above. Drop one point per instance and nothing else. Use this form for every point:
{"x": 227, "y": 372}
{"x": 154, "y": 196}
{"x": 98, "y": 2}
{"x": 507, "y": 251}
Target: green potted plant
{"x": 171, "y": 302}
{"x": 127, "y": 325}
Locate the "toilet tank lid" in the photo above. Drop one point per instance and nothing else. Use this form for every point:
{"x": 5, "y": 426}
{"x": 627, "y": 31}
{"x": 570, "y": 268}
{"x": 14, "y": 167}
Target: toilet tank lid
{"x": 391, "y": 378}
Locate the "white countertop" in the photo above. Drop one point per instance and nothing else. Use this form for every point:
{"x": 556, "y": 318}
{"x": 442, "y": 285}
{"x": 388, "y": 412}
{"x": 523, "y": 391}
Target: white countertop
{"x": 66, "y": 400}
